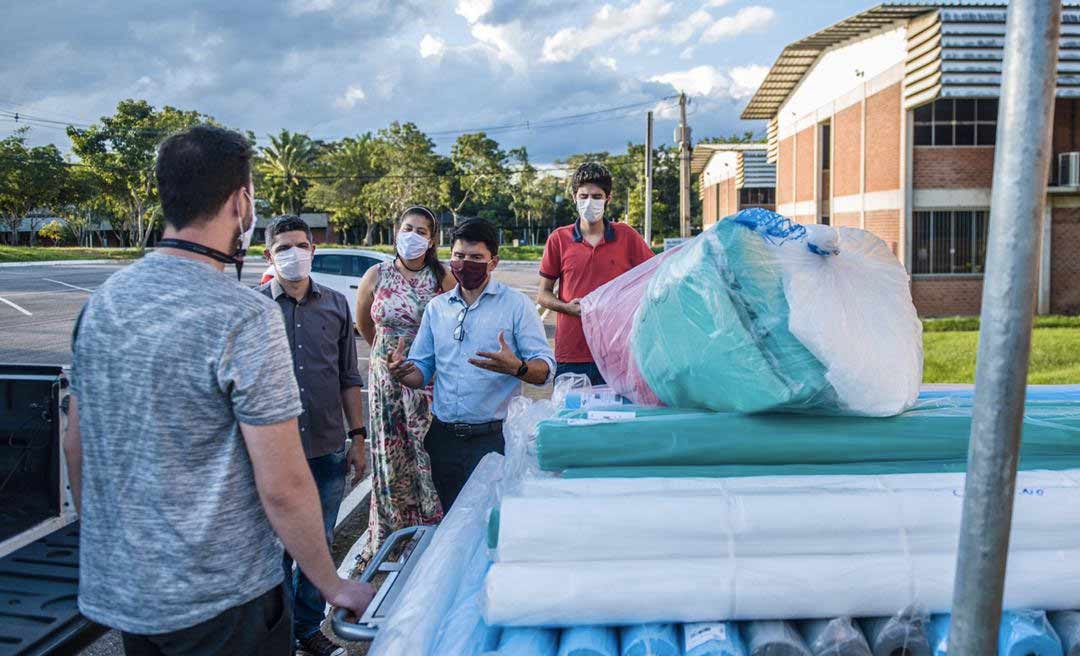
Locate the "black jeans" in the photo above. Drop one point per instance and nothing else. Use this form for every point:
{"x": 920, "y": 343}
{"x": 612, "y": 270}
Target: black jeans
{"x": 262, "y": 626}
{"x": 588, "y": 368}
{"x": 454, "y": 458}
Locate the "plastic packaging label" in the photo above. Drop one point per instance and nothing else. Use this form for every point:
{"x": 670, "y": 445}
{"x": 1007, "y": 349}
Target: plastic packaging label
{"x": 698, "y": 634}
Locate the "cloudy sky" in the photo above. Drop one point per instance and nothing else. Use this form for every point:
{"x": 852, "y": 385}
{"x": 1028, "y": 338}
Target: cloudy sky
{"x": 335, "y": 68}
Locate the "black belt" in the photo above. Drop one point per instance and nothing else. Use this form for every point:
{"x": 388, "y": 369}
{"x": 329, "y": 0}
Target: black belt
{"x": 465, "y": 431}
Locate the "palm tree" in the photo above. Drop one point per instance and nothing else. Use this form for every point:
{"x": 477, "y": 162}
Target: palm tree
{"x": 283, "y": 166}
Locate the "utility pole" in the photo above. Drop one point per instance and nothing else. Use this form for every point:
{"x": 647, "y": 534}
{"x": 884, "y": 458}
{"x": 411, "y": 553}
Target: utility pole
{"x": 648, "y": 178}
{"x": 682, "y": 135}
{"x": 1017, "y": 198}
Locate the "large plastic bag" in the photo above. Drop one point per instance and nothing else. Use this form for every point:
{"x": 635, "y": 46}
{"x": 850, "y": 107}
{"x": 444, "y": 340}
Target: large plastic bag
{"x": 759, "y": 313}
{"x": 903, "y": 633}
{"x": 430, "y": 591}
{"x": 463, "y": 631}
{"x": 528, "y": 641}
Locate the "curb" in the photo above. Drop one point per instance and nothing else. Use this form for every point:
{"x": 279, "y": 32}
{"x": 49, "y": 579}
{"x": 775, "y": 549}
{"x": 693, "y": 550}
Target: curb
{"x": 12, "y": 265}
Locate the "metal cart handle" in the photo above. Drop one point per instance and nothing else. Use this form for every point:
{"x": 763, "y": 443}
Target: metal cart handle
{"x": 366, "y": 627}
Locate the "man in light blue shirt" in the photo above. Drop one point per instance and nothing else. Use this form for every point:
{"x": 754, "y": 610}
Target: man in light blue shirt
{"x": 479, "y": 342}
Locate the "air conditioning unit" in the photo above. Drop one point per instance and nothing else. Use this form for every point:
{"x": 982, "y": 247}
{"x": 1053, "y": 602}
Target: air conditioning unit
{"x": 1069, "y": 169}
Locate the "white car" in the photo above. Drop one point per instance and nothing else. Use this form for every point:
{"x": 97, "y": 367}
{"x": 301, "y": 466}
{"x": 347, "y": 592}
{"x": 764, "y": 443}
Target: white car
{"x": 340, "y": 269}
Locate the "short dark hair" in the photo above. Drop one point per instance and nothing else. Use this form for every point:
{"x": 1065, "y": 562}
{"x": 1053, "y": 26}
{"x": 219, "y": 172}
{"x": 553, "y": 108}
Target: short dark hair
{"x": 198, "y": 169}
{"x": 478, "y": 231}
{"x": 592, "y": 173}
{"x": 286, "y": 223}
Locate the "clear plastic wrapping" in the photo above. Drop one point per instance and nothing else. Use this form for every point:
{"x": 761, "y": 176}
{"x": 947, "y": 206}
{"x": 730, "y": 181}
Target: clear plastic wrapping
{"x": 1027, "y": 633}
{"x": 903, "y": 633}
{"x": 649, "y": 640}
{"x": 836, "y": 637}
{"x": 528, "y": 641}
{"x": 1067, "y": 625}
{"x": 713, "y": 639}
{"x": 759, "y": 313}
{"x": 775, "y": 638}
{"x": 589, "y": 641}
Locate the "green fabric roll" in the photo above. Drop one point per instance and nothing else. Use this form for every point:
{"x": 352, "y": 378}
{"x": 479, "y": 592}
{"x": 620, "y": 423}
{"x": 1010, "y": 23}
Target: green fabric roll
{"x": 493, "y": 528}
{"x": 868, "y": 468}
{"x": 712, "y": 329}
{"x": 672, "y": 437}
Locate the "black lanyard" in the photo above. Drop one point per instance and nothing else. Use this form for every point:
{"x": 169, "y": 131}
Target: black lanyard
{"x": 214, "y": 254}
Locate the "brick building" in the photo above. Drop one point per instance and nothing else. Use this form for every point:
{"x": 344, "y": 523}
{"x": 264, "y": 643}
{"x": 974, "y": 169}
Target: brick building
{"x": 887, "y": 121}
{"x": 733, "y": 177}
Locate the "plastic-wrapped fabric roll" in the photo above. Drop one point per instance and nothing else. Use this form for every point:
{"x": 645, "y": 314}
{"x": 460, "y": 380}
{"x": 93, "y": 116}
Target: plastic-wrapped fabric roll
{"x": 1027, "y": 633}
{"x": 937, "y": 632}
{"x": 713, "y": 639}
{"x": 649, "y": 640}
{"x": 1030, "y": 463}
{"x": 528, "y": 641}
{"x": 589, "y": 641}
{"x": 413, "y": 623}
{"x": 607, "y": 317}
{"x": 837, "y": 637}
{"x": 769, "y": 587}
{"x": 1029, "y": 481}
{"x": 463, "y": 631}
{"x": 776, "y": 315}
{"x": 640, "y": 436}
{"x": 774, "y": 638}
{"x": 902, "y": 634}
{"x": 775, "y": 522}
{"x": 1067, "y": 625}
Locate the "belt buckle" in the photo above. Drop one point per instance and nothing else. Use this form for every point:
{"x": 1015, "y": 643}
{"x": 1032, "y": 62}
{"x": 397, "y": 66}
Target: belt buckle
{"x": 462, "y": 431}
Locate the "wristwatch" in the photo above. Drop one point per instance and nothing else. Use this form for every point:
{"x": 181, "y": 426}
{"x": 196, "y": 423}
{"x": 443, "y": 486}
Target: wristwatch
{"x": 522, "y": 370}
{"x": 362, "y": 432}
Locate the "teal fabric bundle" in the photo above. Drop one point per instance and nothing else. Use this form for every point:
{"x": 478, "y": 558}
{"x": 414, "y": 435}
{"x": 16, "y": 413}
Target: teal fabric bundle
{"x": 1021, "y": 633}
{"x": 932, "y": 438}
{"x": 713, "y": 639}
{"x": 715, "y": 318}
{"x": 649, "y": 640}
{"x": 589, "y": 641}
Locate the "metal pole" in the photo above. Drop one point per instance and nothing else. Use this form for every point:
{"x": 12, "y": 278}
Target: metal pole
{"x": 1025, "y": 121}
{"x": 648, "y": 178}
{"x": 682, "y": 135}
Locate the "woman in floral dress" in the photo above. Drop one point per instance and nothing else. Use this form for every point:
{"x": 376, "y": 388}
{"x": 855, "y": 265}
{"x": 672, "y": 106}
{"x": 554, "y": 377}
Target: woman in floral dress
{"x": 390, "y": 302}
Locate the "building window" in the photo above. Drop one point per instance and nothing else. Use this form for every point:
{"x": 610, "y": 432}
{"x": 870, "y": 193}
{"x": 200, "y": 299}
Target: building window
{"x": 950, "y": 241}
{"x": 956, "y": 123}
{"x": 757, "y": 196}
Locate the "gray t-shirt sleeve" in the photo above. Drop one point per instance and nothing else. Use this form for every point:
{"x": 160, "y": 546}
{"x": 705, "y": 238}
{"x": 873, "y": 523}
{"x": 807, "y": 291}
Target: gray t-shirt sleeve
{"x": 256, "y": 370}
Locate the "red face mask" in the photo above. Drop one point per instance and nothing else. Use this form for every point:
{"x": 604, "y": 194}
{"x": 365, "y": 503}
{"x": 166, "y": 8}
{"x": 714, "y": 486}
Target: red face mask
{"x": 470, "y": 275}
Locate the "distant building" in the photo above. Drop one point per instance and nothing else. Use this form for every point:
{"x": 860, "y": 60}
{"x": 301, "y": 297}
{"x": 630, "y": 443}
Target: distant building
{"x": 733, "y": 177}
{"x": 887, "y": 121}
{"x": 319, "y": 222}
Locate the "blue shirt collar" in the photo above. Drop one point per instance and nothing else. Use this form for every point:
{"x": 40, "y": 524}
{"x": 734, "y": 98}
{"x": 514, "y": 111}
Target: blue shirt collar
{"x": 609, "y": 231}
{"x": 494, "y": 288}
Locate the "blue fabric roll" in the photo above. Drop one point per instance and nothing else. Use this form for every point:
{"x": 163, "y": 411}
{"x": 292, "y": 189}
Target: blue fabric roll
{"x": 589, "y": 641}
{"x": 528, "y": 641}
{"x": 1027, "y": 633}
{"x": 938, "y": 634}
{"x": 649, "y": 640}
{"x": 1067, "y": 625}
{"x": 713, "y": 639}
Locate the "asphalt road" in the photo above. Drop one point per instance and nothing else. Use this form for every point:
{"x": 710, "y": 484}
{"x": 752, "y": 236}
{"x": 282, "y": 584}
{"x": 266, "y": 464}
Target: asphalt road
{"x": 39, "y": 304}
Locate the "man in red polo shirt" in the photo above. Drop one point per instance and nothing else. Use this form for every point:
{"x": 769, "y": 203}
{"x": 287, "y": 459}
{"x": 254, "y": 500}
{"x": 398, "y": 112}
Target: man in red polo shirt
{"x": 581, "y": 257}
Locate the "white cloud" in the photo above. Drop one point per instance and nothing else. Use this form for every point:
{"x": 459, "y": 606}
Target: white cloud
{"x": 297, "y": 7}
{"x": 687, "y": 54}
{"x": 432, "y": 46}
{"x": 734, "y": 83}
{"x": 607, "y": 24}
{"x": 606, "y": 62}
{"x": 472, "y": 10}
{"x": 504, "y": 42}
{"x": 353, "y": 95}
{"x": 685, "y": 29}
{"x": 715, "y": 3}
{"x": 745, "y": 20}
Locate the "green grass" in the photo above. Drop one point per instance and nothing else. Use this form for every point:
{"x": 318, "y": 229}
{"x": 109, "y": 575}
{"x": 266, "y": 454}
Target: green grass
{"x": 1055, "y": 351}
{"x": 971, "y": 324}
{"x": 52, "y": 253}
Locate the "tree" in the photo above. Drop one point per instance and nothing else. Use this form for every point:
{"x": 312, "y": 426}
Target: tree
{"x": 283, "y": 168}
{"x": 53, "y": 231}
{"x": 120, "y": 150}
{"x": 746, "y": 137}
{"x": 30, "y": 179}
{"x": 479, "y": 171}
{"x": 529, "y": 201}
{"x": 412, "y": 173}
{"x": 345, "y": 170}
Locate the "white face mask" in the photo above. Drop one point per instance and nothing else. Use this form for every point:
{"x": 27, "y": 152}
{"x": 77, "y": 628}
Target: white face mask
{"x": 293, "y": 264}
{"x": 411, "y": 245}
{"x": 590, "y": 209}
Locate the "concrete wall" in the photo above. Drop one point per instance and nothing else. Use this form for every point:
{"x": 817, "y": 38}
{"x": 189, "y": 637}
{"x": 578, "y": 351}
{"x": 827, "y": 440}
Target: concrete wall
{"x": 946, "y": 296}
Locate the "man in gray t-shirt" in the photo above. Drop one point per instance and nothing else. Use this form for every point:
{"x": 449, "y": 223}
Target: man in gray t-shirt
{"x": 182, "y": 445}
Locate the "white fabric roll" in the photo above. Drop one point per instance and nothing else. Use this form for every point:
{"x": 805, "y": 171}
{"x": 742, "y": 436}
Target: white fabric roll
{"x": 774, "y": 587}
{"x": 778, "y": 522}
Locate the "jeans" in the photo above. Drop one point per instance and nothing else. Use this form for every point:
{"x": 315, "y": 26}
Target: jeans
{"x": 258, "y": 628}
{"x": 588, "y": 368}
{"x": 307, "y": 602}
{"x": 454, "y": 458}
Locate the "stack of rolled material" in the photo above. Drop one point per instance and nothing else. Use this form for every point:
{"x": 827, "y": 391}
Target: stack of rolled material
{"x": 838, "y": 637}
{"x": 1021, "y": 633}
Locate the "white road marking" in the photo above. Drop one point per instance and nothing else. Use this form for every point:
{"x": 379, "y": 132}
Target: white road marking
{"x": 82, "y": 289}
{"x": 4, "y": 300}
